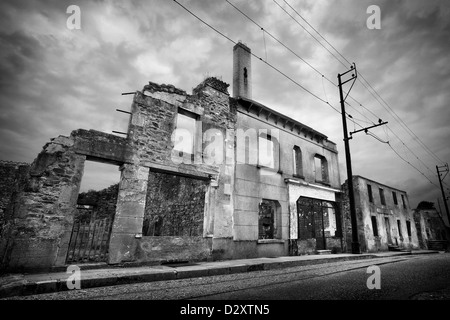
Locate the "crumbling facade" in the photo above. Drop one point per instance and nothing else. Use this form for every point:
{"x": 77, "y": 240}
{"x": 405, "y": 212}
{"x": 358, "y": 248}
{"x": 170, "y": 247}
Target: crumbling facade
{"x": 384, "y": 218}
{"x": 430, "y": 229}
{"x": 204, "y": 176}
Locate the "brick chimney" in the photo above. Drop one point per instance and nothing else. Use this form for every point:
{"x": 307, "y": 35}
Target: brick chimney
{"x": 242, "y": 71}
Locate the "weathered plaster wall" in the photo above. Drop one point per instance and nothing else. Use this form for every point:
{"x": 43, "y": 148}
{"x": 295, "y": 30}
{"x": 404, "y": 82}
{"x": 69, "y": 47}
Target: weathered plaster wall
{"x": 299, "y": 189}
{"x": 390, "y": 211}
{"x": 254, "y": 183}
{"x": 421, "y": 229}
{"x": 429, "y": 226}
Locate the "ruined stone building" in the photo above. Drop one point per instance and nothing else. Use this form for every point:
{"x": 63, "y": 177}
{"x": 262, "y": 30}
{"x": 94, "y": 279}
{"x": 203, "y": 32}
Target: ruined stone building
{"x": 204, "y": 176}
{"x": 384, "y": 217}
{"x": 430, "y": 227}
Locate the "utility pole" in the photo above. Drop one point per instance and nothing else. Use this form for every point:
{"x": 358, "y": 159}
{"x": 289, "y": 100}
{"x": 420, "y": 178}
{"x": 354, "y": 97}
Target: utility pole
{"x": 348, "y": 159}
{"x": 447, "y": 228}
{"x": 444, "y": 169}
{"x": 351, "y": 196}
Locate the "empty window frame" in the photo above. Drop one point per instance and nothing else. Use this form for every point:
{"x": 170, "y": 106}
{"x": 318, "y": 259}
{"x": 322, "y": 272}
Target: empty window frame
{"x": 266, "y": 151}
{"x": 185, "y": 132}
{"x": 408, "y": 227}
{"x": 399, "y": 225}
{"x": 269, "y": 219}
{"x": 382, "y": 199}
{"x": 321, "y": 168}
{"x": 403, "y": 201}
{"x": 394, "y": 195}
{"x": 374, "y": 226}
{"x": 369, "y": 192}
{"x": 297, "y": 161}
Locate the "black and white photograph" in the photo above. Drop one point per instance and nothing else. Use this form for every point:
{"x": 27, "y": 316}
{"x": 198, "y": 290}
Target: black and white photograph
{"x": 225, "y": 158}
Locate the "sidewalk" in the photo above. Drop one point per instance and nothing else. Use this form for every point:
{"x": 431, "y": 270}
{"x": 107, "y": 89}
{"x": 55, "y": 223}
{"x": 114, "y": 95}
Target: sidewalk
{"x": 27, "y": 284}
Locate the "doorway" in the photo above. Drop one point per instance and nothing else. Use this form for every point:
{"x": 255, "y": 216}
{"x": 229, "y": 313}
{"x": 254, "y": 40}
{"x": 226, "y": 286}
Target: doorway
{"x": 316, "y": 220}
{"x": 388, "y": 230}
{"x": 96, "y": 207}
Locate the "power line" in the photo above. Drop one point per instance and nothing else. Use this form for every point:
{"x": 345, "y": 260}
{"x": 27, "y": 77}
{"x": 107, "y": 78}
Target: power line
{"x": 309, "y": 32}
{"x": 402, "y": 123}
{"x": 279, "y": 41}
{"x": 295, "y": 82}
{"x": 396, "y": 117}
{"x": 289, "y": 49}
{"x": 317, "y": 32}
{"x": 411, "y": 165}
{"x": 267, "y": 63}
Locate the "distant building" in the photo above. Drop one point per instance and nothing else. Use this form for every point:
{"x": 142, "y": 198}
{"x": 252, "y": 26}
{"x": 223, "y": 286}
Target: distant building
{"x": 384, "y": 217}
{"x": 430, "y": 229}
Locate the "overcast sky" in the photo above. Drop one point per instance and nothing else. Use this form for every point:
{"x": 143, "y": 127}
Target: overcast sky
{"x": 55, "y": 80}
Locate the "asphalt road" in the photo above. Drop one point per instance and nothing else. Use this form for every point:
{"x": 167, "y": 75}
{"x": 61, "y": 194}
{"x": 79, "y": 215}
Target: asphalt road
{"x": 403, "y": 277}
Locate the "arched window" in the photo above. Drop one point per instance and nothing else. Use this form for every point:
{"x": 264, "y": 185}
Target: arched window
{"x": 321, "y": 168}
{"x": 297, "y": 161}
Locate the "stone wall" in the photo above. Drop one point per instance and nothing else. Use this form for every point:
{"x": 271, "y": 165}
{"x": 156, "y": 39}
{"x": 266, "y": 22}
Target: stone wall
{"x": 9, "y": 173}
{"x": 170, "y": 249}
{"x": 174, "y": 206}
{"x": 153, "y": 120}
{"x": 13, "y": 178}
{"x": 104, "y": 203}
{"x": 44, "y": 205}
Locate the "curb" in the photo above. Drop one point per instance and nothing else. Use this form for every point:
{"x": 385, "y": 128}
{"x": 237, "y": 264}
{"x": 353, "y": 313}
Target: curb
{"x": 92, "y": 278}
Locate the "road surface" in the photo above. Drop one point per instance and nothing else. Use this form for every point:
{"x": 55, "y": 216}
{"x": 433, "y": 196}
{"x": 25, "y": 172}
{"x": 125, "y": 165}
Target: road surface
{"x": 417, "y": 277}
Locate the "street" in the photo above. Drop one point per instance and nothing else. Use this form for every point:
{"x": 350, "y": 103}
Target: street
{"x": 417, "y": 277}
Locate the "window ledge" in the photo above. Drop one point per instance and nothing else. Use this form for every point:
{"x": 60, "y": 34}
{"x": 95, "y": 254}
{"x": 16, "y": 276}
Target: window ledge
{"x": 262, "y": 241}
{"x": 259, "y": 166}
{"x": 324, "y": 183}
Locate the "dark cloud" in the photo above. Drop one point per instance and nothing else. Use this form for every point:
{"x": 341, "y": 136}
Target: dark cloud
{"x": 54, "y": 80}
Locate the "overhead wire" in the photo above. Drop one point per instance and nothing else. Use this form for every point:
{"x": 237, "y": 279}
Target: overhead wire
{"x": 293, "y": 52}
{"x": 292, "y": 80}
{"x": 289, "y": 49}
{"x": 395, "y": 116}
{"x": 259, "y": 58}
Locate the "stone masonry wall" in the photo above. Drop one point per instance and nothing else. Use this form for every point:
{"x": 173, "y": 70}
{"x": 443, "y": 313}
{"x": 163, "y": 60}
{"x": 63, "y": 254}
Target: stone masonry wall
{"x": 44, "y": 205}
{"x": 104, "y": 202}
{"x": 153, "y": 120}
{"x": 13, "y": 175}
{"x": 9, "y": 171}
{"x": 174, "y": 206}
